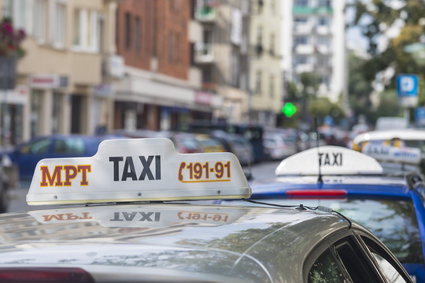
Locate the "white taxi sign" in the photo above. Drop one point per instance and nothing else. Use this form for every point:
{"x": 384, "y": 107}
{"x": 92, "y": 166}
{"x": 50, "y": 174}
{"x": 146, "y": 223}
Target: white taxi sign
{"x": 333, "y": 160}
{"x": 137, "y": 170}
{"x": 386, "y": 153}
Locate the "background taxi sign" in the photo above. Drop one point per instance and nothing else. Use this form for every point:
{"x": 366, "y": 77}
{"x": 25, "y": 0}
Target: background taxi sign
{"x": 386, "y": 153}
{"x": 334, "y": 160}
{"x": 137, "y": 170}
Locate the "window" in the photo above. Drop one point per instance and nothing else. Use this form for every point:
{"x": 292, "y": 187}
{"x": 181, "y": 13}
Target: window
{"x": 235, "y": 68}
{"x": 323, "y": 40}
{"x": 323, "y": 21}
{"x": 59, "y": 26}
{"x": 324, "y": 3}
{"x": 259, "y": 34}
{"x": 258, "y": 82}
{"x": 137, "y": 34}
{"x": 301, "y": 40}
{"x": 56, "y": 112}
{"x": 389, "y": 272}
{"x": 326, "y": 269}
{"x": 271, "y": 86}
{"x": 86, "y": 30}
{"x": 40, "y": 20}
{"x": 8, "y": 8}
{"x": 171, "y": 46}
{"x": 300, "y": 20}
{"x": 272, "y": 44}
{"x": 354, "y": 261}
{"x": 15, "y": 9}
{"x": 37, "y": 147}
{"x": 302, "y": 3}
{"x": 36, "y": 108}
{"x": 69, "y": 146}
{"x": 300, "y": 59}
{"x": 386, "y": 266}
{"x": 127, "y": 31}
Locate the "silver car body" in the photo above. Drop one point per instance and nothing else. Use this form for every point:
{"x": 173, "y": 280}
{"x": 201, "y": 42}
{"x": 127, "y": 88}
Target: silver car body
{"x": 169, "y": 241}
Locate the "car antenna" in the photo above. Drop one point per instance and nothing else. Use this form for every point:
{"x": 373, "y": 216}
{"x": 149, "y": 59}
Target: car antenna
{"x": 316, "y": 129}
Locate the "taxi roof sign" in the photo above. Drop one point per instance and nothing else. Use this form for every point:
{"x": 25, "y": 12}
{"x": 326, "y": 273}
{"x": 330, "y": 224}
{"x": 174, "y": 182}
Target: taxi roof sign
{"x": 334, "y": 160}
{"x": 126, "y": 170}
{"x": 386, "y": 153}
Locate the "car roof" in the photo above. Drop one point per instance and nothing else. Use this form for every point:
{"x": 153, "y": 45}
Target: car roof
{"x": 408, "y": 134}
{"x": 250, "y": 243}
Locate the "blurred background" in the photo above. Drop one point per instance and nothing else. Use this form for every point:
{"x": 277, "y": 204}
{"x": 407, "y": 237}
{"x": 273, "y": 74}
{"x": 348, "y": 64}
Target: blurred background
{"x": 249, "y": 77}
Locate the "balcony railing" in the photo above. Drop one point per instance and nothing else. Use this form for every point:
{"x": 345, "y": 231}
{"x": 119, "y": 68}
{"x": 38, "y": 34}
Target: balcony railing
{"x": 204, "y": 53}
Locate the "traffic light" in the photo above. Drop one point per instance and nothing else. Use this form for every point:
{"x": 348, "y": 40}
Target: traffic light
{"x": 289, "y": 109}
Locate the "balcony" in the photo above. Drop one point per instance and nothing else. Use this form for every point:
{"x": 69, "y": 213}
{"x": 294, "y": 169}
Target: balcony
{"x": 324, "y": 49}
{"x": 323, "y": 30}
{"x": 204, "y": 53}
{"x": 206, "y": 14}
{"x": 304, "y": 68}
{"x": 304, "y": 49}
{"x": 303, "y": 29}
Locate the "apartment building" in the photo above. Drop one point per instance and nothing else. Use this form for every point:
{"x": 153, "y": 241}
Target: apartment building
{"x": 222, "y": 55}
{"x": 313, "y": 35}
{"x": 161, "y": 88}
{"x": 60, "y": 81}
{"x": 265, "y": 64}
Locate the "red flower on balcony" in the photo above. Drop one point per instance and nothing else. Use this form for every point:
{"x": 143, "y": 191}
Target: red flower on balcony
{"x": 11, "y": 39}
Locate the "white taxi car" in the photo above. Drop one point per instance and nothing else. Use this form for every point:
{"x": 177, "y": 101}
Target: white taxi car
{"x": 127, "y": 220}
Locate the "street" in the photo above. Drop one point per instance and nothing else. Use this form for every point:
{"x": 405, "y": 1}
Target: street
{"x": 264, "y": 170}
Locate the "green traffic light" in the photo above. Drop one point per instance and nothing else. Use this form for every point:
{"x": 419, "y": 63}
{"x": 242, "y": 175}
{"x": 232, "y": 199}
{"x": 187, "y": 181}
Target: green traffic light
{"x": 289, "y": 109}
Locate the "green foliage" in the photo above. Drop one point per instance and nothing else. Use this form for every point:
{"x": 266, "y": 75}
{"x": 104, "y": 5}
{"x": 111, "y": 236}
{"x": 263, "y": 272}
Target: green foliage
{"x": 322, "y": 107}
{"x": 388, "y": 106}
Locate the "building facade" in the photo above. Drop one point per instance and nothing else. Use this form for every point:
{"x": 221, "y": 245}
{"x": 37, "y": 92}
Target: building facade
{"x": 265, "y": 63}
{"x": 161, "y": 88}
{"x": 313, "y": 35}
{"x": 222, "y": 55}
{"x": 59, "y": 78}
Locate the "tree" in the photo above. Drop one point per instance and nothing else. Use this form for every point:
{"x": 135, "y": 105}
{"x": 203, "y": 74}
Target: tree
{"x": 322, "y": 107}
{"x": 359, "y": 88}
{"x": 376, "y": 18}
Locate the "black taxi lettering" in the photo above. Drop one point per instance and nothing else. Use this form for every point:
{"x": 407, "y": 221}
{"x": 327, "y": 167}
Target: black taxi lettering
{"x": 128, "y": 170}
{"x": 66, "y": 216}
{"x": 141, "y": 216}
{"x": 330, "y": 159}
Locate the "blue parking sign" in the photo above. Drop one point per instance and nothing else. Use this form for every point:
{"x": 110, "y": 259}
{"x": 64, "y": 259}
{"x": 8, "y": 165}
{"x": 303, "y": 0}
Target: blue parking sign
{"x": 407, "y": 90}
{"x": 407, "y": 85}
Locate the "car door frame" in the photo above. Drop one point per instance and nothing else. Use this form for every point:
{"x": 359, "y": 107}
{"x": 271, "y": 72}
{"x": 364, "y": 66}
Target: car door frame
{"x": 336, "y": 237}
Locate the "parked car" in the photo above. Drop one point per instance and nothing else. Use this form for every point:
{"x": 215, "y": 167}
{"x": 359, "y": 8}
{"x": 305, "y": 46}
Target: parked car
{"x": 122, "y": 227}
{"x": 278, "y": 146}
{"x": 7, "y": 179}
{"x": 209, "y": 143}
{"x": 356, "y": 185}
{"x": 237, "y": 144}
{"x": 27, "y": 155}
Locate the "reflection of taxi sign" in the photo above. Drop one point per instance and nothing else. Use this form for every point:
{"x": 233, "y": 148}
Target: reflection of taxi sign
{"x": 333, "y": 160}
{"x": 385, "y": 153}
{"x": 143, "y": 216}
{"x": 137, "y": 170}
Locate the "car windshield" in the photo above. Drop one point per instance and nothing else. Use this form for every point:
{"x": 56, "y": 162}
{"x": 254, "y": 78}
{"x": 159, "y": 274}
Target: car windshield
{"x": 394, "y": 222}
